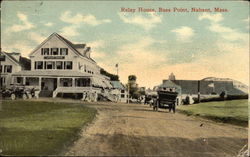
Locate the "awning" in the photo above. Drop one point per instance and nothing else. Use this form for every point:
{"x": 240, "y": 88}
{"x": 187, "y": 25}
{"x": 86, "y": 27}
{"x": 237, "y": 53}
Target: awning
{"x": 99, "y": 82}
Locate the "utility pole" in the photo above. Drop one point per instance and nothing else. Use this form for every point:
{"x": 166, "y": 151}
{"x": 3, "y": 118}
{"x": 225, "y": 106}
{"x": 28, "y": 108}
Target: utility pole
{"x": 199, "y": 94}
{"x": 117, "y": 67}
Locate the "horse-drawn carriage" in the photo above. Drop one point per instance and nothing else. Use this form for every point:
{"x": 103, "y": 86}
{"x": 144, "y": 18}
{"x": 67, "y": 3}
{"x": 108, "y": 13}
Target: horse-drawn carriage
{"x": 165, "y": 99}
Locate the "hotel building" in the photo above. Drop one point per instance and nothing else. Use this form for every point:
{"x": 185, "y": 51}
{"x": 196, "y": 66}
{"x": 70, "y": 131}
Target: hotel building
{"x": 59, "y": 66}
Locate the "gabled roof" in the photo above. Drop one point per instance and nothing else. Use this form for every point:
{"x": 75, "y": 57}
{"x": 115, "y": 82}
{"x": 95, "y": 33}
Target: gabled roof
{"x": 79, "y": 46}
{"x": 23, "y": 62}
{"x": 11, "y": 58}
{"x": 66, "y": 41}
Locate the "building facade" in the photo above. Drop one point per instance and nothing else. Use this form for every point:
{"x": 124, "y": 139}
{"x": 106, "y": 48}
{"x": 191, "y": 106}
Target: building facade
{"x": 11, "y": 63}
{"x": 120, "y": 91}
{"x": 59, "y": 66}
{"x": 210, "y": 85}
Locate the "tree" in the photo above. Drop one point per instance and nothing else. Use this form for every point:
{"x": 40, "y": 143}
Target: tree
{"x": 133, "y": 87}
{"x": 132, "y": 78}
{"x": 111, "y": 76}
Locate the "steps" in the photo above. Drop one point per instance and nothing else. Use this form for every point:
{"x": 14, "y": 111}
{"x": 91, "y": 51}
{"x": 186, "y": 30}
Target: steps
{"x": 109, "y": 96}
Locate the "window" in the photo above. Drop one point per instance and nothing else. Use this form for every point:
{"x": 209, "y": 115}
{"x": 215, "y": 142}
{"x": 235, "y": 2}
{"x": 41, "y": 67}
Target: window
{"x": 68, "y": 65}
{"x": 66, "y": 82}
{"x": 8, "y": 68}
{"x": 63, "y": 51}
{"x": 82, "y": 82}
{"x": 50, "y": 65}
{"x": 122, "y": 95}
{"x": 59, "y": 65}
{"x": 19, "y": 80}
{"x": 32, "y": 81}
{"x": 1, "y": 68}
{"x": 54, "y": 51}
{"x": 39, "y": 65}
{"x": 122, "y": 91}
{"x": 45, "y": 51}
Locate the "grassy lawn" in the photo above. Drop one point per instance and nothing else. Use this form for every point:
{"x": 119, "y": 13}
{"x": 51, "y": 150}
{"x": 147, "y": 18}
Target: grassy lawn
{"x": 234, "y": 112}
{"x": 40, "y": 128}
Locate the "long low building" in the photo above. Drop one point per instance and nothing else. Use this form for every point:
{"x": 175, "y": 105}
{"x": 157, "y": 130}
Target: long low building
{"x": 59, "y": 66}
{"x": 208, "y": 86}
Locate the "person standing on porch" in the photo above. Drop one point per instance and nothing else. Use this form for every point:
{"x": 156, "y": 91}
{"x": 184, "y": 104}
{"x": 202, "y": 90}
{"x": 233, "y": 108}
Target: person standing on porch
{"x": 84, "y": 96}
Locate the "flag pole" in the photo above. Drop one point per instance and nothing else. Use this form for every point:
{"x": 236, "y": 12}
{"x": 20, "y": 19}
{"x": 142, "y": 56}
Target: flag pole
{"x": 117, "y": 67}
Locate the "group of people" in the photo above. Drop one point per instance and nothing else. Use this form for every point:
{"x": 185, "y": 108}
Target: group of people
{"x": 89, "y": 96}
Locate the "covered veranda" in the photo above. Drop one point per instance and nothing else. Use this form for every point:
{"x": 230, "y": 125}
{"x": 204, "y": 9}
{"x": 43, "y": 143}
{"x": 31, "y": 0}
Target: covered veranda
{"x": 60, "y": 81}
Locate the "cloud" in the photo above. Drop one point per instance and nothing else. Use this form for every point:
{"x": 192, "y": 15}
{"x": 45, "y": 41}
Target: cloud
{"x": 96, "y": 44}
{"x": 146, "y": 22}
{"x": 184, "y": 33}
{"x": 70, "y": 31}
{"x": 26, "y": 25}
{"x": 225, "y": 32}
{"x": 22, "y": 47}
{"x": 96, "y": 47}
{"x": 137, "y": 58}
{"x": 80, "y": 18}
{"x": 38, "y": 38}
{"x": 212, "y": 17}
{"x": 76, "y": 21}
{"x": 49, "y": 24}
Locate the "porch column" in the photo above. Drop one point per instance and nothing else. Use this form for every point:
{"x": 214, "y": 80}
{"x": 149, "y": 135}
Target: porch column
{"x": 73, "y": 82}
{"x": 58, "y": 81}
{"x": 40, "y": 83}
{"x": 24, "y": 80}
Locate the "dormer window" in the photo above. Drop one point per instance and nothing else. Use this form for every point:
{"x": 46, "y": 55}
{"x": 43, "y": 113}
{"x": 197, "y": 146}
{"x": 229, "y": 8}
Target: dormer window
{"x": 54, "y": 51}
{"x": 63, "y": 51}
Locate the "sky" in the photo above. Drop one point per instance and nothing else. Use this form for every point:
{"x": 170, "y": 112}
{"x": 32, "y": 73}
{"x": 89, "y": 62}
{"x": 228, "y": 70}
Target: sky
{"x": 150, "y": 45}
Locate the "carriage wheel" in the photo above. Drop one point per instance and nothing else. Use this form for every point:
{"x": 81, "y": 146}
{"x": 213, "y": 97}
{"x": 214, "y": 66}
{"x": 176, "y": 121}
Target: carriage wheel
{"x": 13, "y": 96}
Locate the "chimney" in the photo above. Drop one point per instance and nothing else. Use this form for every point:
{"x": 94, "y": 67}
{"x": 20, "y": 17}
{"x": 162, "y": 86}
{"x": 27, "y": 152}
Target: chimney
{"x": 87, "y": 52}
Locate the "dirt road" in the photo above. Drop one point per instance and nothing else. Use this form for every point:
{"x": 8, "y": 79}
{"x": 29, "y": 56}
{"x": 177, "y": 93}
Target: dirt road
{"x": 135, "y": 130}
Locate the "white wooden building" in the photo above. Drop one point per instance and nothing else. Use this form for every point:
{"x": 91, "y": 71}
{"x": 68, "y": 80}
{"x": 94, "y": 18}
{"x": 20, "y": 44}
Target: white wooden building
{"x": 11, "y": 63}
{"x": 59, "y": 66}
{"x": 120, "y": 91}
